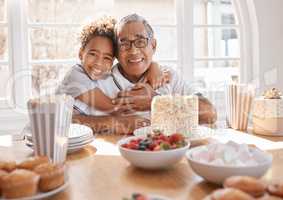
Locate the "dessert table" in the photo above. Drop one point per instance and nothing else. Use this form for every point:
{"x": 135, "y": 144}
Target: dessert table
{"x": 99, "y": 172}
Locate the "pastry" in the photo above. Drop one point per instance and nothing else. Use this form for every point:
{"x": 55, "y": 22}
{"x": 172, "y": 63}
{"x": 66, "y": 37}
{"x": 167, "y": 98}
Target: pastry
{"x": 269, "y": 197}
{"x": 19, "y": 183}
{"x": 229, "y": 194}
{"x": 247, "y": 184}
{"x": 32, "y": 162}
{"x": 2, "y": 175}
{"x": 276, "y": 189}
{"x": 8, "y": 165}
{"x": 51, "y": 176}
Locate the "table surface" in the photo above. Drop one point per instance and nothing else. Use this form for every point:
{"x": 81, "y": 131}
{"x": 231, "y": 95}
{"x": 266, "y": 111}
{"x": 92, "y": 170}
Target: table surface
{"x": 99, "y": 172}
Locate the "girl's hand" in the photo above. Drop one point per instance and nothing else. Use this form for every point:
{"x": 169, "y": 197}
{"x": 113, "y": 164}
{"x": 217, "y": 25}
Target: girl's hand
{"x": 166, "y": 77}
{"x": 154, "y": 76}
{"x": 157, "y": 78}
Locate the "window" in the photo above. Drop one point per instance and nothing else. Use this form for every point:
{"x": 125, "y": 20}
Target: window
{"x": 216, "y": 58}
{"x": 199, "y": 38}
{"x": 53, "y": 28}
{"x": 216, "y": 43}
{"x": 4, "y": 53}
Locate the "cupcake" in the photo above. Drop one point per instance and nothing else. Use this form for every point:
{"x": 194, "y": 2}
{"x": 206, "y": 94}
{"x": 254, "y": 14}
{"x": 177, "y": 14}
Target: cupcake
{"x": 19, "y": 183}
{"x": 229, "y": 194}
{"x": 250, "y": 185}
{"x": 2, "y": 175}
{"x": 8, "y": 165}
{"x": 269, "y": 197}
{"x": 32, "y": 162}
{"x": 276, "y": 189}
{"x": 51, "y": 176}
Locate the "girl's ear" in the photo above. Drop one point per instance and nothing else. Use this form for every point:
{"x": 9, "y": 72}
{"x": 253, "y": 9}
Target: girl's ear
{"x": 153, "y": 44}
{"x": 81, "y": 54}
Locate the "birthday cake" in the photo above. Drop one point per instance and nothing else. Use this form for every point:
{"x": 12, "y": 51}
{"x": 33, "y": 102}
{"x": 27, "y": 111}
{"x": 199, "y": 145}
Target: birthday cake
{"x": 174, "y": 114}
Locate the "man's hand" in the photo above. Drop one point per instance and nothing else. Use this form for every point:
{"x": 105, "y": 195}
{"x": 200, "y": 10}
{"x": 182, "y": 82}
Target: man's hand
{"x": 121, "y": 109}
{"x": 122, "y": 125}
{"x": 127, "y": 124}
{"x": 137, "y": 99}
{"x": 207, "y": 112}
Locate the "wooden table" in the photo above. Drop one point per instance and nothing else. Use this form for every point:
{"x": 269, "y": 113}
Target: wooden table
{"x": 99, "y": 172}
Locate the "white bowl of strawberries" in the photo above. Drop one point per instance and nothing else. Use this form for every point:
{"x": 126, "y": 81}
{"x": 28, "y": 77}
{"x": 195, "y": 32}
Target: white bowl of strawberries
{"x": 154, "y": 151}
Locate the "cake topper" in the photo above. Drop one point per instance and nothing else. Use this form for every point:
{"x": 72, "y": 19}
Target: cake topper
{"x": 272, "y": 94}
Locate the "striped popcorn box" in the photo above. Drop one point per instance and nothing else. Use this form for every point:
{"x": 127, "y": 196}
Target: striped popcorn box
{"x": 50, "y": 119}
{"x": 239, "y": 98}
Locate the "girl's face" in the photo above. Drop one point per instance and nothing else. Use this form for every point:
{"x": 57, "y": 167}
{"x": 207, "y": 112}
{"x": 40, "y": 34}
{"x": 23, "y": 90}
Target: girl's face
{"x": 97, "y": 57}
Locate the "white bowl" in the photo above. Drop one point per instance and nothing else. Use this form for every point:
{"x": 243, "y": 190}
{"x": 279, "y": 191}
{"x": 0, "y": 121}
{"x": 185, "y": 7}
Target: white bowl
{"x": 151, "y": 159}
{"x": 217, "y": 174}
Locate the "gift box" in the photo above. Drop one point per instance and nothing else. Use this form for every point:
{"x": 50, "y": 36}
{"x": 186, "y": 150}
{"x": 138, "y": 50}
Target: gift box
{"x": 268, "y": 115}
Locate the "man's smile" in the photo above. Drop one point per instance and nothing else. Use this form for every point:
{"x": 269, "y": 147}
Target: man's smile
{"x": 135, "y": 60}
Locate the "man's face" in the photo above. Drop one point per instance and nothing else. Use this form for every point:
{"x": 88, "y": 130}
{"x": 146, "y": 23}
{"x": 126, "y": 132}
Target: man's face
{"x": 135, "y": 61}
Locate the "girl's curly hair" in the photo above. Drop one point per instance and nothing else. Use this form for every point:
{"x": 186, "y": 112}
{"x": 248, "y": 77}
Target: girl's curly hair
{"x": 104, "y": 26}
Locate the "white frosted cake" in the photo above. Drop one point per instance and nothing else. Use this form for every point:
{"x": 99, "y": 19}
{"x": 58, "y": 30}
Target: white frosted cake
{"x": 268, "y": 113}
{"x": 174, "y": 114}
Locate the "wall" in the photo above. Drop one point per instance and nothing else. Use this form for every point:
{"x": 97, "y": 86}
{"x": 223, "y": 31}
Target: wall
{"x": 270, "y": 21}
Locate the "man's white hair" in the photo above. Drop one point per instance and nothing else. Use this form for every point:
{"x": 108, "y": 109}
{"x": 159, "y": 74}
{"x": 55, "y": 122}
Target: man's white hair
{"x": 134, "y": 18}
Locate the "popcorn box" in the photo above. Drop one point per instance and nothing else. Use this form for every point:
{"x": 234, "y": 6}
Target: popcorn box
{"x": 239, "y": 98}
{"x": 268, "y": 116}
{"x": 50, "y": 119}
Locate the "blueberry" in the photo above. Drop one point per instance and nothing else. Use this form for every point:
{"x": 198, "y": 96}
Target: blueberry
{"x": 142, "y": 147}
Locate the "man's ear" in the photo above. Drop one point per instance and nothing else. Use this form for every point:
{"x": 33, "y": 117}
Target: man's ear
{"x": 153, "y": 44}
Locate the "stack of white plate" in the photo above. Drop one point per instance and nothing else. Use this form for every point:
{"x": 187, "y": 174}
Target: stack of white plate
{"x": 79, "y": 137}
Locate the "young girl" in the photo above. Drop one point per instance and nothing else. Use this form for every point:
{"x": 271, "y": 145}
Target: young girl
{"x": 97, "y": 55}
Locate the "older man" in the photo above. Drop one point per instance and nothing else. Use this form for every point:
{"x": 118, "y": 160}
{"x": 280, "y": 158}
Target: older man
{"x": 136, "y": 47}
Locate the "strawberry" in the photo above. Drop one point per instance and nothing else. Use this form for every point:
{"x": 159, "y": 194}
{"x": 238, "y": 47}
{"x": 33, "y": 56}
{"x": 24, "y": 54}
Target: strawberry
{"x": 133, "y": 146}
{"x": 152, "y": 145}
{"x": 157, "y": 148}
{"x": 162, "y": 137}
{"x": 175, "y": 138}
{"x": 139, "y": 140}
{"x": 158, "y": 141}
{"x": 141, "y": 198}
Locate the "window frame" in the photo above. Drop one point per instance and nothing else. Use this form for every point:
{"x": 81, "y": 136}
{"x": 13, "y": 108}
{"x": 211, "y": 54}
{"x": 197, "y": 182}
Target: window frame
{"x": 6, "y": 101}
{"x": 249, "y": 39}
{"x": 186, "y": 27}
{"x": 19, "y": 87}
